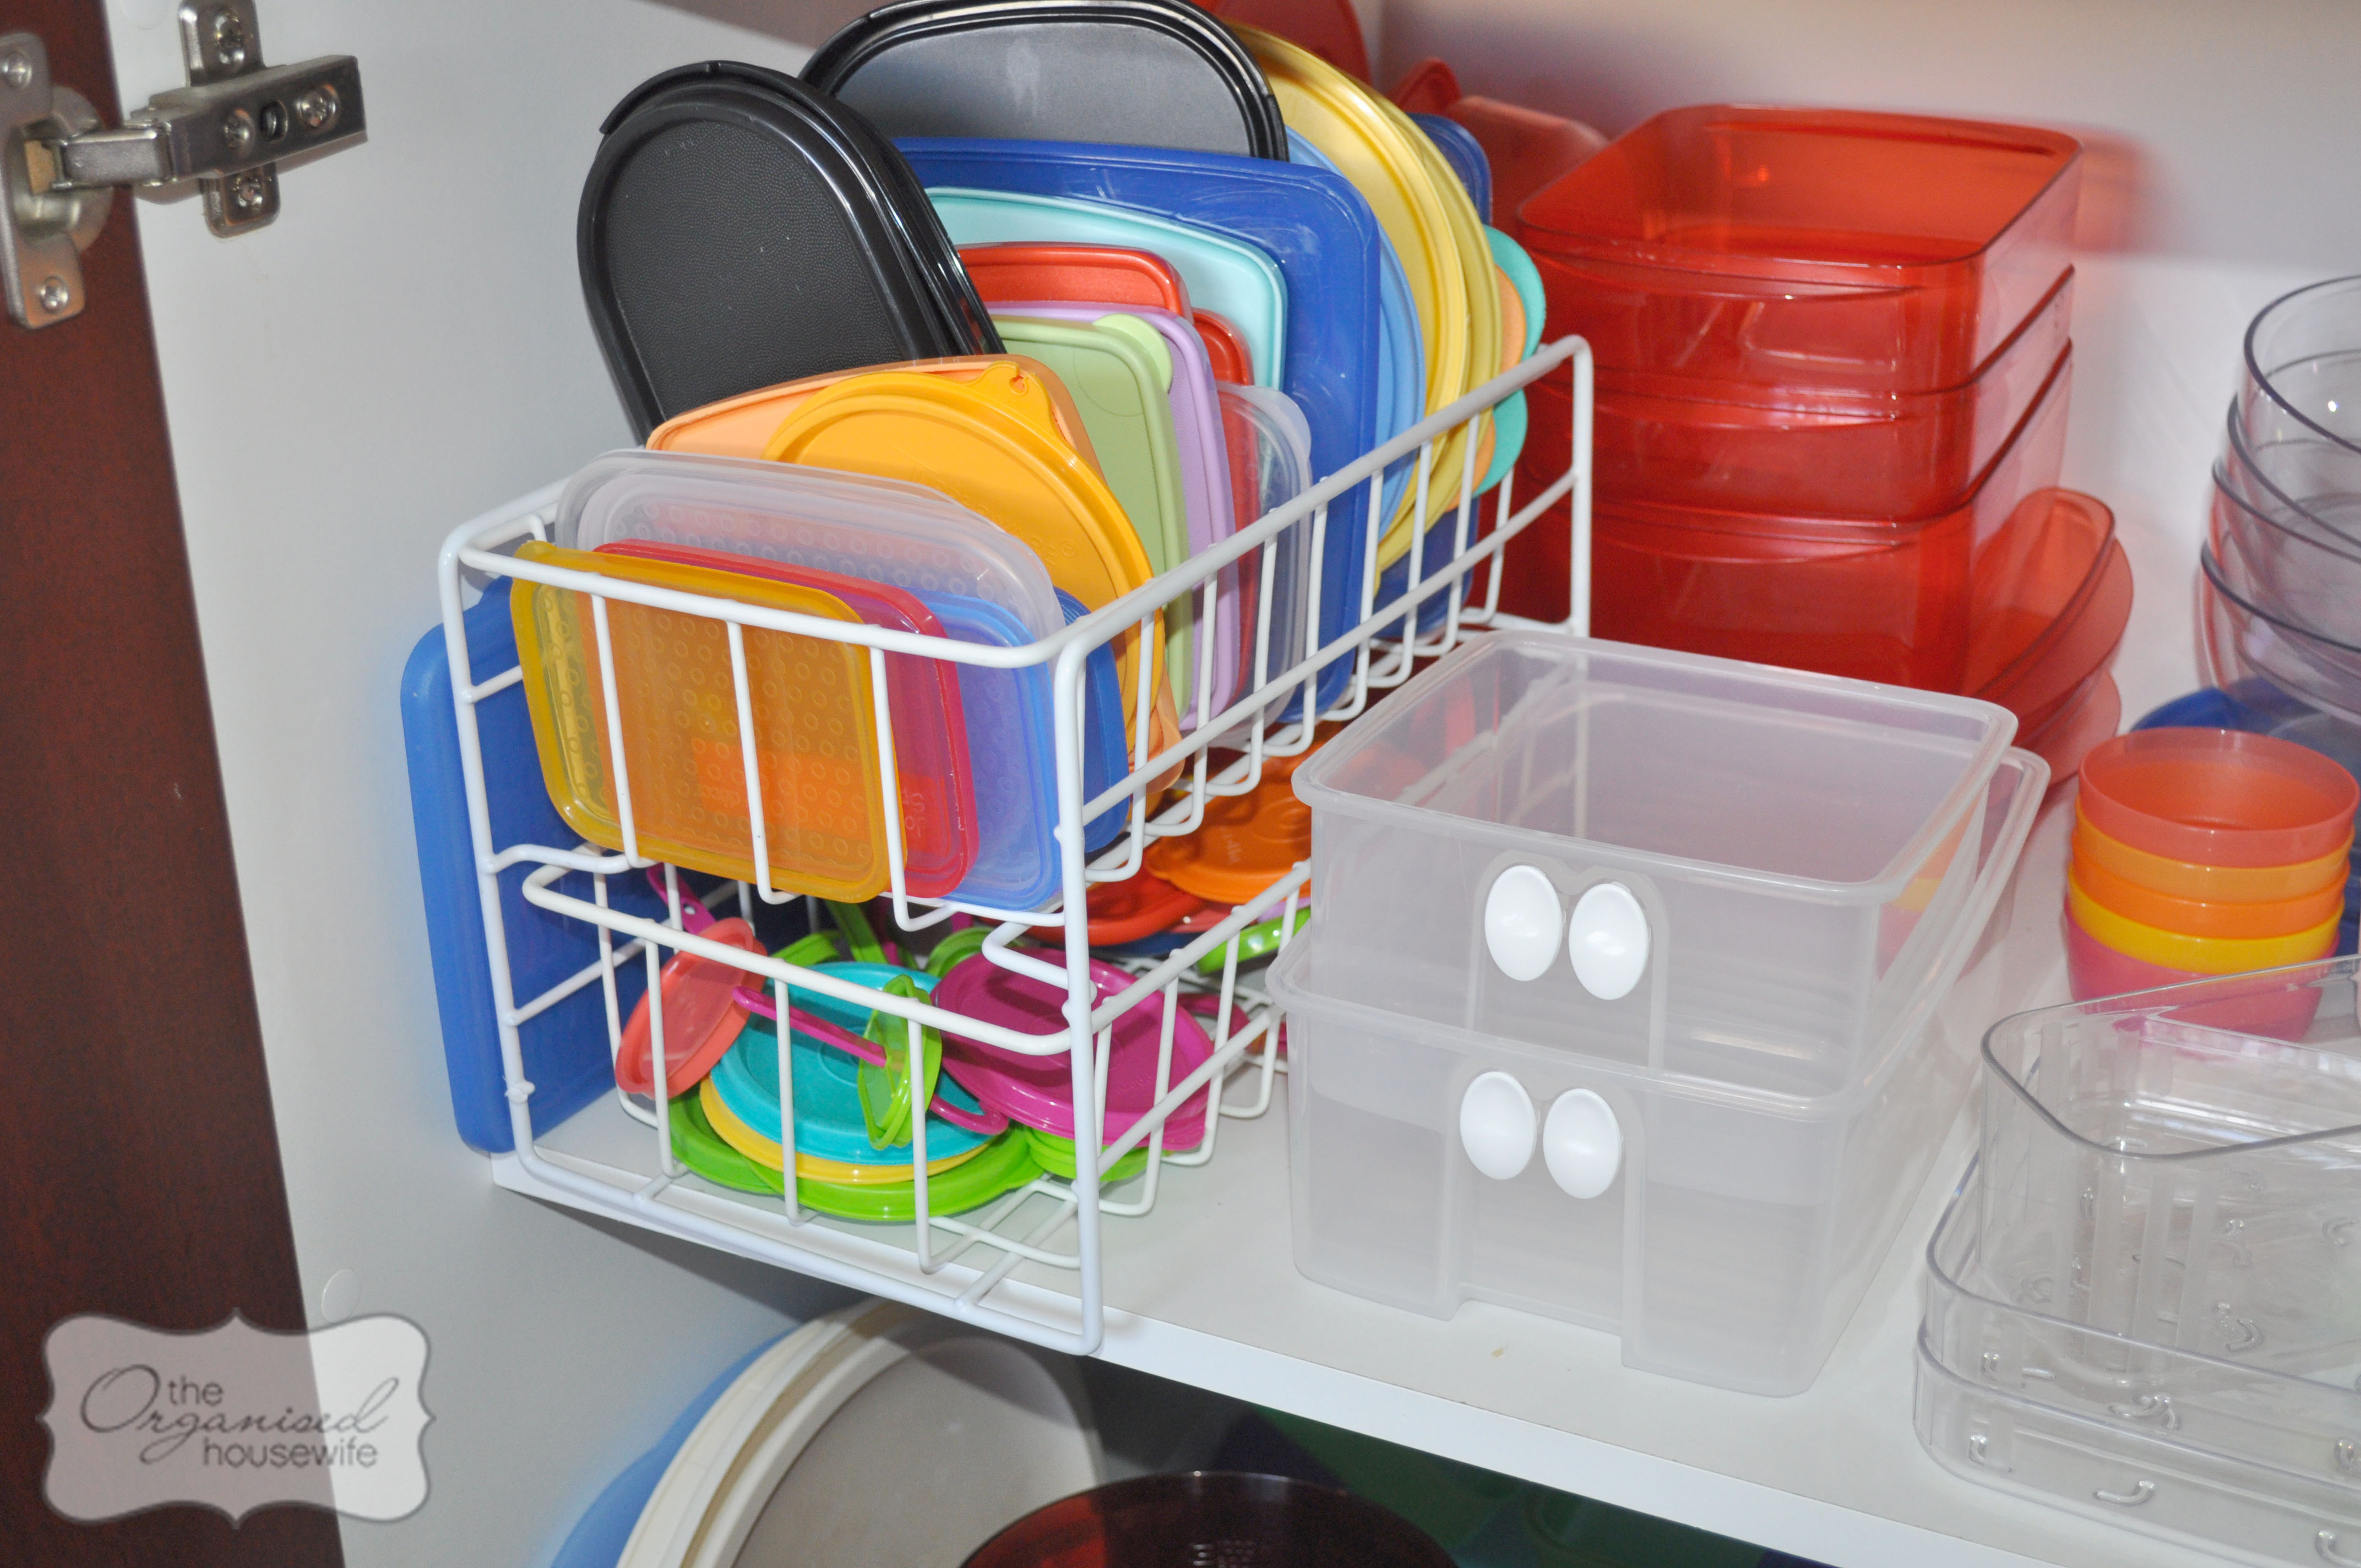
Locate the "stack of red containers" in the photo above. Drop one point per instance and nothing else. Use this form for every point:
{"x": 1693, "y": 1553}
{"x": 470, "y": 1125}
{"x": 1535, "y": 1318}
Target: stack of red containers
{"x": 1833, "y": 366}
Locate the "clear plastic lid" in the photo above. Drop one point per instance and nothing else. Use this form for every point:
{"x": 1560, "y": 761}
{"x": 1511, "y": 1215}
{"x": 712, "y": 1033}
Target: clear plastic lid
{"x": 885, "y": 531}
{"x": 1271, "y": 464}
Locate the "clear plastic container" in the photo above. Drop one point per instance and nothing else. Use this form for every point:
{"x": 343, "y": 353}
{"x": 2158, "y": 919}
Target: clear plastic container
{"x": 2302, "y": 381}
{"x": 1795, "y": 247}
{"x": 2294, "y": 558}
{"x": 1826, "y": 451}
{"x": 1726, "y": 1147}
{"x": 2241, "y": 638}
{"x": 1886, "y": 601}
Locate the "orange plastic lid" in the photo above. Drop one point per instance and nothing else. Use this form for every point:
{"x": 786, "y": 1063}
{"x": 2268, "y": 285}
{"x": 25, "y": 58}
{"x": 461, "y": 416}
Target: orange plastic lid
{"x": 743, "y": 426}
{"x": 1090, "y": 274}
{"x": 1140, "y": 906}
{"x": 991, "y": 444}
{"x": 815, "y": 726}
{"x": 2218, "y": 797}
{"x": 2196, "y": 917}
{"x": 2212, "y": 884}
{"x": 1225, "y": 348}
{"x": 1247, "y": 841}
{"x": 1512, "y": 324}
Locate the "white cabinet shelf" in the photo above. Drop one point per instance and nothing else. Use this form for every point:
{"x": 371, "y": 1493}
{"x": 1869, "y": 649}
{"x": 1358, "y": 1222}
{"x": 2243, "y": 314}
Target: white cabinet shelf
{"x": 1203, "y": 1292}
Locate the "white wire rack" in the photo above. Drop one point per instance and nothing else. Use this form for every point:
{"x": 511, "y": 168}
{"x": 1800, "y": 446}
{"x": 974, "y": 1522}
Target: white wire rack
{"x": 958, "y": 1263}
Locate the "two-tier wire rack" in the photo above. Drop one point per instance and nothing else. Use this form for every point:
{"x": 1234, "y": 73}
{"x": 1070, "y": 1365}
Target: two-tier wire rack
{"x": 960, "y": 1264}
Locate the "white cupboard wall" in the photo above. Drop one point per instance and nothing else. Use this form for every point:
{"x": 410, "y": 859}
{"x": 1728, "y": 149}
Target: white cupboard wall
{"x": 407, "y": 347}
{"x": 403, "y": 349}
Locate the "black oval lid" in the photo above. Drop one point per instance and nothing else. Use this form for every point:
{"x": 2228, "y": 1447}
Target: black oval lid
{"x": 739, "y": 229}
{"x": 1135, "y": 72}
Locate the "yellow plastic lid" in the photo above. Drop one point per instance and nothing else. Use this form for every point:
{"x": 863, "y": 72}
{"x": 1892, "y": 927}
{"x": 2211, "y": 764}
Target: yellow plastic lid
{"x": 743, "y": 426}
{"x": 991, "y": 444}
{"x": 815, "y": 742}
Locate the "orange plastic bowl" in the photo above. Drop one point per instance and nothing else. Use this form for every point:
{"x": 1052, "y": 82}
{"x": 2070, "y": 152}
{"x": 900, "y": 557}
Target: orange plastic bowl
{"x": 2198, "y": 917}
{"x": 2218, "y": 797}
{"x": 2212, "y": 884}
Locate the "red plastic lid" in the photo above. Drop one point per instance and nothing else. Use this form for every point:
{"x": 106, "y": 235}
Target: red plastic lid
{"x": 1430, "y": 87}
{"x": 1225, "y": 348}
{"x": 936, "y": 778}
{"x": 2218, "y": 797}
{"x": 702, "y": 1016}
{"x": 1186, "y": 1518}
{"x": 1329, "y": 28}
{"x": 1087, "y": 274}
{"x": 1139, "y": 906}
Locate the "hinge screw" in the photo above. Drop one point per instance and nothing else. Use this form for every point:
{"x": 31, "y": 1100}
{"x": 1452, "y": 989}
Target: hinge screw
{"x": 15, "y": 70}
{"x": 246, "y": 191}
{"x": 230, "y": 39}
{"x": 54, "y": 295}
{"x": 237, "y": 132}
{"x": 317, "y": 108}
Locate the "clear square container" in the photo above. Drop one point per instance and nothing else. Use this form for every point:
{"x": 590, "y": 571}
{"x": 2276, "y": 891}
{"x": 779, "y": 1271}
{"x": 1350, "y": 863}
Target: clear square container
{"x": 1889, "y": 253}
{"x": 2181, "y": 1168}
{"x": 1802, "y": 866}
{"x": 1724, "y": 1234}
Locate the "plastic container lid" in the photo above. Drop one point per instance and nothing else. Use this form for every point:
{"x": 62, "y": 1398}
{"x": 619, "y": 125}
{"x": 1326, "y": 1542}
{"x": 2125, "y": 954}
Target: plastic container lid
{"x": 1122, "y": 70}
{"x": 1223, "y": 275}
{"x": 828, "y": 1120}
{"x": 1225, "y": 350}
{"x": 1205, "y": 489}
{"x": 701, "y": 1016}
{"x": 1329, "y": 28}
{"x": 1271, "y": 464}
{"x": 2193, "y": 918}
{"x": 857, "y": 524}
{"x": 742, "y": 426}
{"x": 1247, "y": 841}
{"x": 933, "y": 771}
{"x": 1126, "y": 403}
{"x": 2201, "y": 955}
{"x": 1038, "y": 1091}
{"x": 992, "y": 446}
{"x": 1320, "y": 236}
{"x": 1106, "y": 275}
{"x": 688, "y": 794}
{"x": 1139, "y": 905}
{"x": 2218, "y": 797}
{"x": 764, "y": 1152}
{"x": 1460, "y": 149}
{"x": 1180, "y": 1520}
{"x": 837, "y": 264}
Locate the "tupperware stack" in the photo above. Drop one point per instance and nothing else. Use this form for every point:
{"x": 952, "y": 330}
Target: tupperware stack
{"x": 1641, "y": 987}
{"x": 1833, "y": 370}
{"x": 2203, "y": 852}
{"x": 2139, "y": 1305}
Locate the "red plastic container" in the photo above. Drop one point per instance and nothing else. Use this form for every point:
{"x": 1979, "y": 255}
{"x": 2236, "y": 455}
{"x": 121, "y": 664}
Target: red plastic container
{"x": 2051, "y": 607}
{"x": 2071, "y": 733}
{"x": 1796, "y": 248}
{"x": 1814, "y": 450}
{"x": 1881, "y": 601}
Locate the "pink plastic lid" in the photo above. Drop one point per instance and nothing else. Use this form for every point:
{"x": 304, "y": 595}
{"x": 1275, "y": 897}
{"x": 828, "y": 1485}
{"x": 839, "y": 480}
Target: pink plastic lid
{"x": 940, "y": 831}
{"x": 1038, "y": 1090}
{"x": 2218, "y": 797}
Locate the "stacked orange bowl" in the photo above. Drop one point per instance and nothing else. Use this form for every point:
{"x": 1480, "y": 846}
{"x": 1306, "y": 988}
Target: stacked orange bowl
{"x": 2203, "y": 852}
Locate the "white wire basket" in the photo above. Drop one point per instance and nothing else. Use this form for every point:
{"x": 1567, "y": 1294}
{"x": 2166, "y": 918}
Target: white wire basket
{"x": 625, "y": 1167}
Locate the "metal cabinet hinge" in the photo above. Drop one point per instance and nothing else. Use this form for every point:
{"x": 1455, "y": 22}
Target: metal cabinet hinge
{"x": 227, "y": 130}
